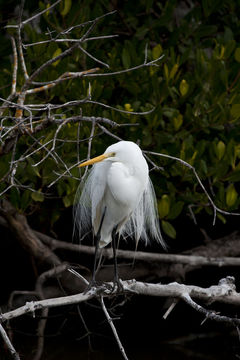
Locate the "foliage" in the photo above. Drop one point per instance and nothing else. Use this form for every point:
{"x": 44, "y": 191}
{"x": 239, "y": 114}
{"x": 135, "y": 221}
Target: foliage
{"x": 195, "y": 92}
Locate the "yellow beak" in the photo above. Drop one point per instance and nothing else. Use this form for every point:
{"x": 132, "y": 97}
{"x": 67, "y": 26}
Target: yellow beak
{"x": 96, "y": 159}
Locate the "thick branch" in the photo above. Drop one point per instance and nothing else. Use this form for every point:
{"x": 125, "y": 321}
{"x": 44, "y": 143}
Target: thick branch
{"x": 18, "y": 224}
{"x": 224, "y": 292}
{"x": 193, "y": 260}
{"x": 220, "y": 252}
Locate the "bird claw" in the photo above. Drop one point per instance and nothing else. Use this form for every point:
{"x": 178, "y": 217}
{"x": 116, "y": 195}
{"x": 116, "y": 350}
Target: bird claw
{"x": 91, "y": 285}
{"x": 117, "y": 286}
{"x": 114, "y": 288}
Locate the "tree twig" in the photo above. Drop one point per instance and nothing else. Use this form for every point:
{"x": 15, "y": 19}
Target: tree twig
{"x": 215, "y": 208}
{"x": 114, "y": 330}
{"x": 8, "y": 343}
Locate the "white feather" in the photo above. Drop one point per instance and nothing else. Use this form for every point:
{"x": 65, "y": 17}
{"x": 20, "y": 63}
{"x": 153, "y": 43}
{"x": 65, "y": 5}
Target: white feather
{"x": 120, "y": 184}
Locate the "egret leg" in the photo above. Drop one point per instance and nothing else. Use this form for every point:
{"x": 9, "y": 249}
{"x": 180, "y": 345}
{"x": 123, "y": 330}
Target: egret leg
{"x": 98, "y": 236}
{"x": 93, "y": 282}
{"x": 116, "y": 275}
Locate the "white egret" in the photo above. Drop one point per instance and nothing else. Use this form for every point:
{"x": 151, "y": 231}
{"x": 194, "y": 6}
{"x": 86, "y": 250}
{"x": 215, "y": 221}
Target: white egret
{"x": 118, "y": 197}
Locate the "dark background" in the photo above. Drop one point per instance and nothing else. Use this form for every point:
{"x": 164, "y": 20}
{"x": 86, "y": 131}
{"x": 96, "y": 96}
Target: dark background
{"x": 202, "y": 38}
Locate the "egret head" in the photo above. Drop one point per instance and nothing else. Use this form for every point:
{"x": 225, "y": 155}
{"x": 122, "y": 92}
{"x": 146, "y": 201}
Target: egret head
{"x": 123, "y": 151}
{"x": 97, "y": 159}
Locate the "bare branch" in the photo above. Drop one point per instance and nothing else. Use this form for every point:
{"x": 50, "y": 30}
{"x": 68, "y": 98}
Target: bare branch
{"x": 191, "y": 260}
{"x": 15, "y": 67}
{"x": 48, "y": 63}
{"x": 8, "y": 343}
{"x": 66, "y": 76}
{"x": 224, "y": 292}
{"x": 34, "y": 16}
{"x": 215, "y": 208}
{"x": 150, "y": 63}
{"x": 103, "y": 37}
{"x": 110, "y": 321}
{"x": 93, "y": 57}
{"x": 22, "y": 60}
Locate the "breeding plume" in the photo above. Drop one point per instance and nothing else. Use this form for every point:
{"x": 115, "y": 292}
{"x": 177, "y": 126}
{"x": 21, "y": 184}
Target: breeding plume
{"x": 118, "y": 196}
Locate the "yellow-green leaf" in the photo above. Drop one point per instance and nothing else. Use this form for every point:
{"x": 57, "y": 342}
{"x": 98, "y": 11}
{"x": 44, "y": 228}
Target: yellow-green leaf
{"x": 126, "y": 58}
{"x": 222, "y": 218}
{"x": 169, "y": 229}
{"x": 164, "y": 206}
{"x": 128, "y": 107}
{"x": 237, "y": 150}
{"x": 56, "y": 53}
{"x": 67, "y": 7}
{"x": 173, "y": 71}
{"x": 235, "y": 110}
{"x": 37, "y": 196}
{"x": 183, "y": 87}
{"x": 47, "y": 12}
{"x": 237, "y": 54}
{"x": 157, "y": 51}
{"x": 231, "y": 195}
{"x": 166, "y": 72}
{"x": 191, "y": 161}
{"x": 220, "y": 149}
{"x": 67, "y": 201}
{"x": 222, "y": 52}
{"x": 177, "y": 121}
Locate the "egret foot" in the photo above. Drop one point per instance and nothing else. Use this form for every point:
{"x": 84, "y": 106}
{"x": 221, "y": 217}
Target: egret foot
{"x": 117, "y": 286}
{"x": 92, "y": 284}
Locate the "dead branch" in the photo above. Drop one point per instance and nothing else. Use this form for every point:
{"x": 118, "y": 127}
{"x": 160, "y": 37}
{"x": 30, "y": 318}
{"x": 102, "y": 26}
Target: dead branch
{"x": 208, "y": 258}
{"x": 110, "y": 321}
{"x": 192, "y": 168}
{"x": 8, "y": 343}
{"x": 224, "y": 292}
{"x": 218, "y": 253}
{"x": 18, "y": 224}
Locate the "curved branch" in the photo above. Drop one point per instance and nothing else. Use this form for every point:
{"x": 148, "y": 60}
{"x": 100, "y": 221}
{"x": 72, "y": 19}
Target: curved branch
{"x": 18, "y": 224}
{"x": 224, "y": 292}
{"x": 215, "y": 208}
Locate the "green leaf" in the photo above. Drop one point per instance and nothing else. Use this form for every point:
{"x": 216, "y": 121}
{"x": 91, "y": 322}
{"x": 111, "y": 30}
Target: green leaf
{"x": 67, "y": 7}
{"x": 222, "y": 218}
{"x": 164, "y": 206}
{"x": 168, "y": 229}
{"x": 206, "y": 30}
{"x": 126, "y": 58}
{"x": 183, "y": 88}
{"x": 175, "y": 210}
{"x": 237, "y": 54}
{"x": 15, "y": 197}
{"x": 220, "y": 149}
{"x": 67, "y": 201}
{"x": 235, "y": 110}
{"x": 157, "y": 51}
{"x": 177, "y": 121}
{"x": 203, "y": 166}
{"x": 25, "y": 199}
{"x": 37, "y": 196}
{"x": 56, "y": 53}
{"x": 173, "y": 71}
{"x": 55, "y": 215}
{"x": 231, "y": 195}
{"x": 166, "y": 71}
{"x": 234, "y": 176}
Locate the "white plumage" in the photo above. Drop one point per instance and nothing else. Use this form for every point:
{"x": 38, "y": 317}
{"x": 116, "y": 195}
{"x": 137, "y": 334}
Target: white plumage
{"x": 118, "y": 184}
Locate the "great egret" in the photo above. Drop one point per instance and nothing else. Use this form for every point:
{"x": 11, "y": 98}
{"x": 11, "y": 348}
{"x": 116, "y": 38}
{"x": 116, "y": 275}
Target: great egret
{"x": 118, "y": 197}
